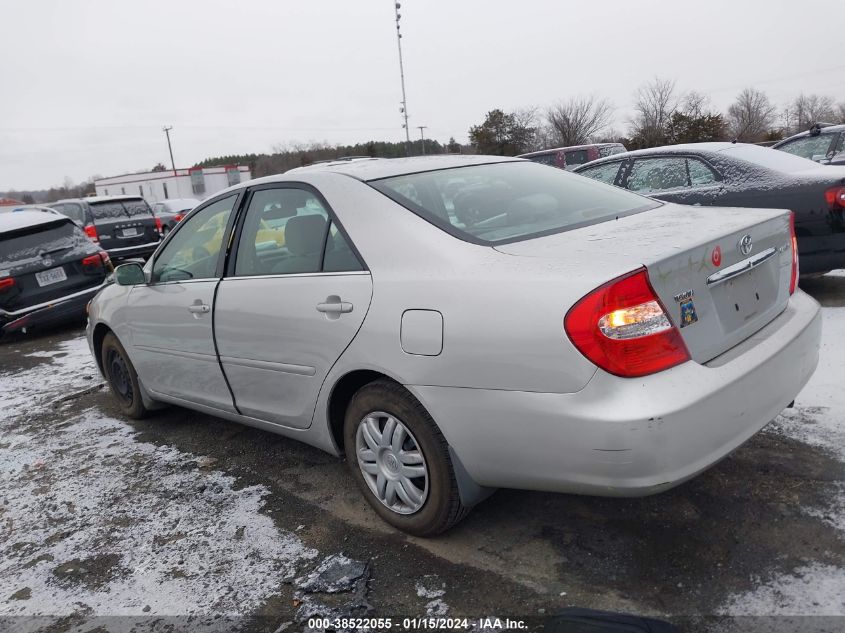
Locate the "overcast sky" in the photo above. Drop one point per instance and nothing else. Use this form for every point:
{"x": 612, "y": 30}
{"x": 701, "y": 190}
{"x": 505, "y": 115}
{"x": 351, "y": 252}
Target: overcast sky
{"x": 86, "y": 85}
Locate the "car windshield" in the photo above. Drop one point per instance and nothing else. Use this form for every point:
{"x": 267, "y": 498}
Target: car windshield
{"x": 508, "y": 202}
{"x": 770, "y": 158}
{"x": 119, "y": 208}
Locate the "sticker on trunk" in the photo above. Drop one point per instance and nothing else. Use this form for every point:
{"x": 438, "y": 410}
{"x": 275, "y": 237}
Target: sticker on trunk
{"x": 688, "y": 315}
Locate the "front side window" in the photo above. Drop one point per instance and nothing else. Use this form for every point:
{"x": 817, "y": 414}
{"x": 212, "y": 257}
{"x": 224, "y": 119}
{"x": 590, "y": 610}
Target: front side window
{"x": 839, "y": 149}
{"x": 509, "y": 201}
{"x": 812, "y": 147}
{"x": 658, "y": 174}
{"x": 603, "y": 173}
{"x": 194, "y": 249}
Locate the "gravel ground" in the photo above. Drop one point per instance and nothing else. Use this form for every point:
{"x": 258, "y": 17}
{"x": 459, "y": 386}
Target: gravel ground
{"x": 185, "y": 521}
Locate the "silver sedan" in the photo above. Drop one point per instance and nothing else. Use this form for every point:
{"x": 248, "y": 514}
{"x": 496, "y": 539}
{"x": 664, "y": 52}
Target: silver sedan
{"x": 458, "y": 324}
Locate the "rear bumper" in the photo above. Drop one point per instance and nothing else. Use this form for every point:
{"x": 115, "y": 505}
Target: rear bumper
{"x": 65, "y": 308}
{"x": 631, "y": 437}
{"x": 141, "y": 250}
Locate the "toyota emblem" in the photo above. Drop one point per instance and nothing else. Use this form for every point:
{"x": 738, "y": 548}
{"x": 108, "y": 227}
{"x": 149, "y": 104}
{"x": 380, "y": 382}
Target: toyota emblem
{"x": 745, "y": 244}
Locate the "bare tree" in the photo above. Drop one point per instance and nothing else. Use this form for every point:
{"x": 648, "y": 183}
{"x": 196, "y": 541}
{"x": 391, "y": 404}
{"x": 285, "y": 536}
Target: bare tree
{"x": 529, "y": 118}
{"x": 575, "y": 121}
{"x": 654, "y": 105}
{"x": 751, "y": 116}
{"x": 695, "y": 104}
{"x": 810, "y": 109}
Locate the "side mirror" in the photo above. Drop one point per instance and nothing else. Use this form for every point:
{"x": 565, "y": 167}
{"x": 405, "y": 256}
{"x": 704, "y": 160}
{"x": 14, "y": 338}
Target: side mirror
{"x": 130, "y": 274}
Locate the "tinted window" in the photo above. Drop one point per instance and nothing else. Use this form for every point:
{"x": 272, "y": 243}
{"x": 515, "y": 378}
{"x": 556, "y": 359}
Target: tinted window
{"x": 578, "y": 157}
{"x": 658, "y": 174}
{"x": 20, "y": 247}
{"x": 700, "y": 173}
{"x": 116, "y": 209}
{"x": 73, "y": 211}
{"x": 284, "y": 233}
{"x": 503, "y": 202}
{"x": 339, "y": 255}
{"x": 194, "y": 249}
{"x": 605, "y": 173}
{"x": 544, "y": 159}
{"x": 812, "y": 147}
{"x": 610, "y": 150}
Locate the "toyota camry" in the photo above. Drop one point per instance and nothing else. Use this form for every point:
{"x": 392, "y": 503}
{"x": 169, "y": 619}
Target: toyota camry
{"x": 457, "y": 324}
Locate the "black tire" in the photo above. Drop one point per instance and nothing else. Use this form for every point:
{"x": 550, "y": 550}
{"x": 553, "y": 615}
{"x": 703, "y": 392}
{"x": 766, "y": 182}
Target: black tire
{"x": 442, "y": 508}
{"x": 122, "y": 378}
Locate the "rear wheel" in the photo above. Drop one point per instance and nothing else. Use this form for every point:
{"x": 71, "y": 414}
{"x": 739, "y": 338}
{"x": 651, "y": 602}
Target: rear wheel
{"x": 400, "y": 460}
{"x": 122, "y": 378}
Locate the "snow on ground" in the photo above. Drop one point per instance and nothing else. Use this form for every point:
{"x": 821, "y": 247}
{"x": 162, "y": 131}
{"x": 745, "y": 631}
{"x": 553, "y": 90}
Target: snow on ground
{"x": 818, "y": 419}
{"x": 431, "y": 588}
{"x": 93, "y": 521}
{"x": 71, "y": 368}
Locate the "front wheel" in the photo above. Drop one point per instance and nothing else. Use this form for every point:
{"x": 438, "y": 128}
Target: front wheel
{"x": 122, "y": 378}
{"x": 400, "y": 460}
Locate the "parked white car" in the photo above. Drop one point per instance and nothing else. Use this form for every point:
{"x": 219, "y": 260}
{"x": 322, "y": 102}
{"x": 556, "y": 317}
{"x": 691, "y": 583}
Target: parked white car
{"x": 457, "y": 324}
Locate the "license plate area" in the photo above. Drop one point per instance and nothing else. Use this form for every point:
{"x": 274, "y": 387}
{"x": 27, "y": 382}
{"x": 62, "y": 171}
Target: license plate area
{"x": 130, "y": 232}
{"x": 51, "y": 276}
{"x": 740, "y": 300}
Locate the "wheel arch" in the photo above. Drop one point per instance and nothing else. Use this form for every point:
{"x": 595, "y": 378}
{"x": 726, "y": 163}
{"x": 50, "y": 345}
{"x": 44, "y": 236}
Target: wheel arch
{"x": 100, "y": 331}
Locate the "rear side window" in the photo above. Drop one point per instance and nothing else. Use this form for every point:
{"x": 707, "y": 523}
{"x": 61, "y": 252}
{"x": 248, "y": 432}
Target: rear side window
{"x": 115, "y": 209}
{"x": 287, "y": 231}
{"x": 18, "y": 248}
{"x": 610, "y": 150}
{"x": 72, "y": 210}
{"x": 508, "y": 202}
{"x": 699, "y": 173}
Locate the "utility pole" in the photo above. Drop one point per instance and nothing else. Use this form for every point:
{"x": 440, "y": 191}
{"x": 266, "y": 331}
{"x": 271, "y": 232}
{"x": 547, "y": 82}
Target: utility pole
{"x": 404, "y": 109}
{"x": 166, "y": 129}
{"x": 422, "y": 137}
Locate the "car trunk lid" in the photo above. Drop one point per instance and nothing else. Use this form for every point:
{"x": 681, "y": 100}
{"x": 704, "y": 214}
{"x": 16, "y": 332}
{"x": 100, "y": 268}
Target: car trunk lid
{"x": 721, "y": 274}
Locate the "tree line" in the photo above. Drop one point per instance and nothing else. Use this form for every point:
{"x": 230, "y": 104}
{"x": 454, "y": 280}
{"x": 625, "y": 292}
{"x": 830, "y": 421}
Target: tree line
{"x": 663, "y": 115}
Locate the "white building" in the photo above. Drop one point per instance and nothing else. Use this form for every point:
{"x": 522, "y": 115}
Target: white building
{"x": 196, "y": 182}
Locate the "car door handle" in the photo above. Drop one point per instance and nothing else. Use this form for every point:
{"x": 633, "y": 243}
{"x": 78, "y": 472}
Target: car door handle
{"x": 334, "y": 307}
{"x": 200, "y": 308}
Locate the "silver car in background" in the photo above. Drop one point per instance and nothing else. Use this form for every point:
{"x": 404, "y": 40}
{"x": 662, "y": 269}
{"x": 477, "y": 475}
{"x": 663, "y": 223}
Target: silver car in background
{"x": 171, "y": 211}
{"x": 457, "y": 324}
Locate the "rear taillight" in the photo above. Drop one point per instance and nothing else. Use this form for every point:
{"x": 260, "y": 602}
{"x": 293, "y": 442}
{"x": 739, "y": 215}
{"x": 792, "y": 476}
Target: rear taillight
{"x": 158, "y": 224}
{"x": 835, "y": 198}
{"x": 624, "y": 329}
{"x": 7, "y": 284}
{"x": 93, "y": 264}
{"x": 178, "y": 217}
{"x": 91, "y": 232}
{"x": 793, "y": 241}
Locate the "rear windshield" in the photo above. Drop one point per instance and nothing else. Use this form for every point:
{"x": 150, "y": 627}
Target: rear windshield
{"x": 17, "y": 247}
{"x": 509, "y": 202}
{"x": 770, "y": 158}
{"x": 119, "y": 209}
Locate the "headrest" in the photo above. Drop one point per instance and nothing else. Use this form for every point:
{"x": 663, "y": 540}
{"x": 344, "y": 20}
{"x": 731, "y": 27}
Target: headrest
{"x": 304, "y": 234}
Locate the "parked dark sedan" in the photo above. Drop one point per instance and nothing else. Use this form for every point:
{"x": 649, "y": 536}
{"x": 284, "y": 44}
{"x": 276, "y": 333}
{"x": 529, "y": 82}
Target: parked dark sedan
{"x": 123, "y": 225}
{"x": 170, "y": 212}
{"x": 49, "y": 270}
{"x": 823, "y": 144}
{"x": 741, "y": 175}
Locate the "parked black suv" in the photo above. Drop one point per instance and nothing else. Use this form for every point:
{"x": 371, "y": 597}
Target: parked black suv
{"x": 124, "y": 225}
{"x": 49, "y": 270}
{"x": 822, "y": 143}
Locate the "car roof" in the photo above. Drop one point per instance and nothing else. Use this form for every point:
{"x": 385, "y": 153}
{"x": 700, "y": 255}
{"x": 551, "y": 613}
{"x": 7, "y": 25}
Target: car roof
{"x": 25, "y": 219}
{"x": 684, "y": 148}
{"x": 566, "y": 148}
{"x": 96, "y": 199}
{"x": 823, "y": 130}
{"x": 375, "y": 168}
